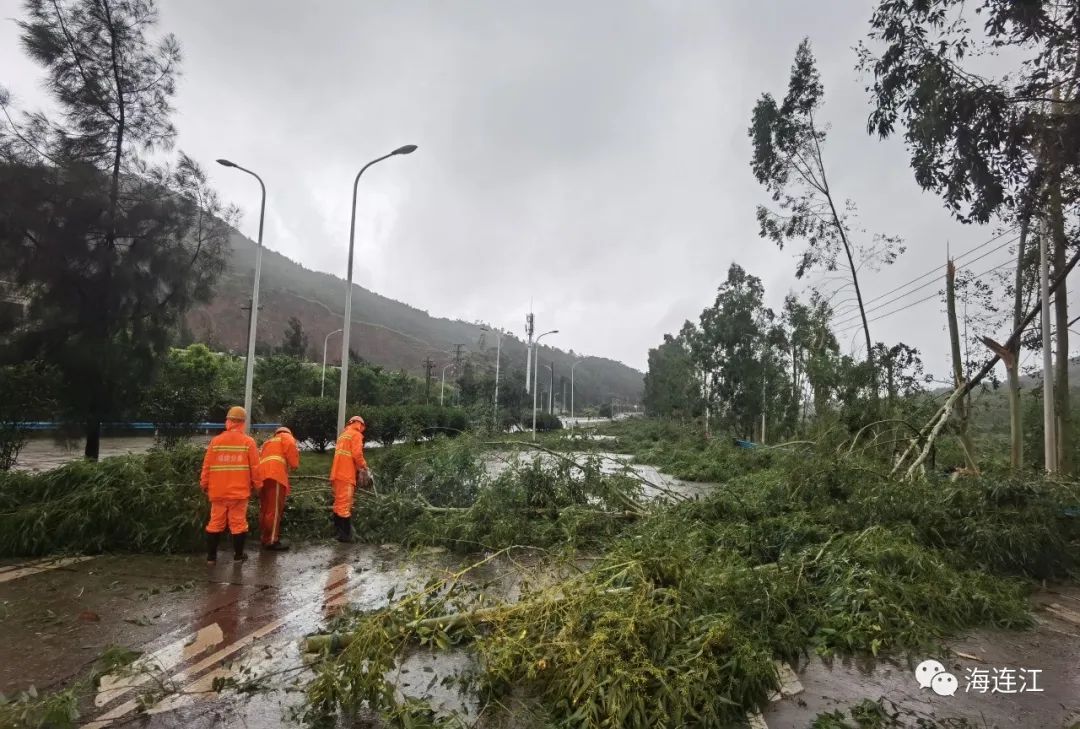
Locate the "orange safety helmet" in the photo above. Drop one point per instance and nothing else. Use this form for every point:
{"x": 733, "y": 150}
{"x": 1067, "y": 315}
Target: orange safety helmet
{"x": 283, "y": 429}
{"x": 236, "y": 413}
{"x": 356, "y": 419}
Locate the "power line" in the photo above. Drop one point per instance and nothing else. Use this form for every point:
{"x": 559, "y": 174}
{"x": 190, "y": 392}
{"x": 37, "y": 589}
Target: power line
{"x": 937, "y": 269}
{"x": 849, "y": 318}
{"x": 916, "y": 303}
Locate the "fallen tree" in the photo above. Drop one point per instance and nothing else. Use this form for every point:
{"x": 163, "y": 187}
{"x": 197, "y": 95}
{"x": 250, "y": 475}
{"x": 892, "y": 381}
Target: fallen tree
{"x": 680, "y": 620}
{"x": 924, "y": 441}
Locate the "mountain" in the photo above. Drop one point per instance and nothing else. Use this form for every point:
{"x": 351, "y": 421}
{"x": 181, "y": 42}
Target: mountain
{"x": 384, "y": 332}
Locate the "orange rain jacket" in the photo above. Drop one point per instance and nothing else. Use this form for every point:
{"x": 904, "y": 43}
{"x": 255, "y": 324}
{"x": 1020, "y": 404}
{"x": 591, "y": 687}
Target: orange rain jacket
{"x": 231, "y": 467}
{"x": 279, "y": 455}
{"x": 349, "y": 454}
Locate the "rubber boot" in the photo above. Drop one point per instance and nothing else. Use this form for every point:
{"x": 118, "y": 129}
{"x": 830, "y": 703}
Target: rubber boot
{"x": 238, "y": 547}
{"x": 346, "y": 529}
{"x": 212, "y": 540}
{"x": 341, "y": 529}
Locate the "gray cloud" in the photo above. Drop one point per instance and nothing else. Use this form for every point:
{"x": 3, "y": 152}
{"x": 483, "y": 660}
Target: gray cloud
{"x": 590, "y": 156}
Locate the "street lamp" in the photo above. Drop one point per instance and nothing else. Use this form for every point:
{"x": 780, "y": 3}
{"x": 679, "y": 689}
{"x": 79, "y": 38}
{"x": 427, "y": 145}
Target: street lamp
{"x": 551, "y": 386}
{"x": 536, "y": 353}
{"x": 572, "y": 421}
{"x": 407, "y": 149}
{"x": 498, "y": 351}
{"x": 249, "y": 374}
{"x": 322, "y": 388}
{"x": 442, "y": 389}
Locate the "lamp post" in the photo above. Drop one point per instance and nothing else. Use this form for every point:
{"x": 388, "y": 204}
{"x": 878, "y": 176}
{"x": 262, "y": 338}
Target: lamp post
{"x": 572, "y": 421}
{"x": 249, "y": 374}
{"x": 342, "y": 390}
{"x": 442, "y": 390}
{"x": 536, "y": 353}
{"x": 551, "y": 384}
{"x": 326, "y": 341}
{"x": 498, "y": 352}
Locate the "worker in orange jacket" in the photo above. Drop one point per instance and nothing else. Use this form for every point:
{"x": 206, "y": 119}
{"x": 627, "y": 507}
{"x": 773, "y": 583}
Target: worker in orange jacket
{"x": 348, "y": 468}
{"x": 279, "y": 456}
{"x": 230, "y": 472}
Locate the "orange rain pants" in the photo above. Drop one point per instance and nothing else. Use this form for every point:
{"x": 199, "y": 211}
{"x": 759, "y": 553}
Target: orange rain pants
{"x": 343, "y": 497}
{"x": 271, "y": 505}
{"x": 231, "y": 512}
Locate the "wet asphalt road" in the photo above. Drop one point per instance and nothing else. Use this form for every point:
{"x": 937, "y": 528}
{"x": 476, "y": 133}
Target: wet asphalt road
{"x": 195, "y": 624}
{"x": 192, "y": 623}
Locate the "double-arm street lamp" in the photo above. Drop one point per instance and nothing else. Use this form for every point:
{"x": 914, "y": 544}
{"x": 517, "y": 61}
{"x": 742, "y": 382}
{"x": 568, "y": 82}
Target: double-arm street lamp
{"x": 442, "y": 388}
{"x": 342, "y": 390}
{"x": 536, "y": 355}
{"x": 551, "y": 386}
{"x": 249, "y": 374}
{"x": 498, "y": 352}
{"x": 572, "y": 421}
{"x": 326, "y": 341}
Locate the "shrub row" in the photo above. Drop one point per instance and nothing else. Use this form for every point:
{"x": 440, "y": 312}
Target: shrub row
{"x": 314, "y": 420}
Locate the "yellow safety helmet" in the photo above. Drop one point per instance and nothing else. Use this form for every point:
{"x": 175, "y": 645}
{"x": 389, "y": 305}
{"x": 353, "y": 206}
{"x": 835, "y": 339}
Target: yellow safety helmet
{"x": 283, "y": 429}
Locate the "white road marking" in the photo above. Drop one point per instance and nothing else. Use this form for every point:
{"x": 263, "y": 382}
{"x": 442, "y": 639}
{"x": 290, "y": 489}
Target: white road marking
{"x": 339, "y": 573}
{"x": 789, "y": 682}
{"x": 756, "y": 721}
{"x": 114, "y": 686}
{"x": 33, "y": 568}
{"x": 789, "y": 686}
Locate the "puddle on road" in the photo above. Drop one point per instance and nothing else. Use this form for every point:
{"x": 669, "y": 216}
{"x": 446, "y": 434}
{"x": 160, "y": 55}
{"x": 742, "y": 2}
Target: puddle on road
{"x": 310, "y": 586}
{"x": 44, "y": 453}
{"x": 656, "y": 484}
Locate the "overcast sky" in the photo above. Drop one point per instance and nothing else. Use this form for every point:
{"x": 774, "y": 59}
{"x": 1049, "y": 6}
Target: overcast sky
{"x": 589, "y": 156}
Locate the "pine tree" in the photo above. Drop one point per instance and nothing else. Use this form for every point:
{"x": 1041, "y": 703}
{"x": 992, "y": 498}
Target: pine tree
{"x": 111, "y": 249}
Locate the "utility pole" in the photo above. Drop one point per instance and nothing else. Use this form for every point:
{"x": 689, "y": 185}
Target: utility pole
{"x": 1049, "y": 421}
{"x": 562, "y": 403}
{"x": 530, "y": 327}
{"x": 429, "y": 367}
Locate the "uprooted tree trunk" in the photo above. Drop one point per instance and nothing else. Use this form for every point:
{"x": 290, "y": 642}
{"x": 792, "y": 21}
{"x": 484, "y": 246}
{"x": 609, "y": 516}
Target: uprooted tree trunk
{"x": 961, "y": 407}
{"x": 930, "y": 431}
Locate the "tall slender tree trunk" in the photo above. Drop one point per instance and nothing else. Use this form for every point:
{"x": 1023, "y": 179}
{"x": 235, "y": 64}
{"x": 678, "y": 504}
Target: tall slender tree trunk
{"x": 961, "y": 408}
{"x": 104, "y": 315}
{"x": 1061, "y": 336}
{"x": 839, "y": 224}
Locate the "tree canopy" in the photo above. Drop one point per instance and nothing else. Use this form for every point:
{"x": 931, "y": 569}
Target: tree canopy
{"x": 110, "y": 248}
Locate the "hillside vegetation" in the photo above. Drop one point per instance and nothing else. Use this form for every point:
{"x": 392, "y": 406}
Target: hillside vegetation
{"x": 385, "y": 332}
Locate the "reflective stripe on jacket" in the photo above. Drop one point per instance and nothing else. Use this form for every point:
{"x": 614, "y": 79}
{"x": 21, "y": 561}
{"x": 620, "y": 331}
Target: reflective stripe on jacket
{"x": 231, "y": 466}
{"x": 279, "y": 455}
{"x": 349, "y": 454}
